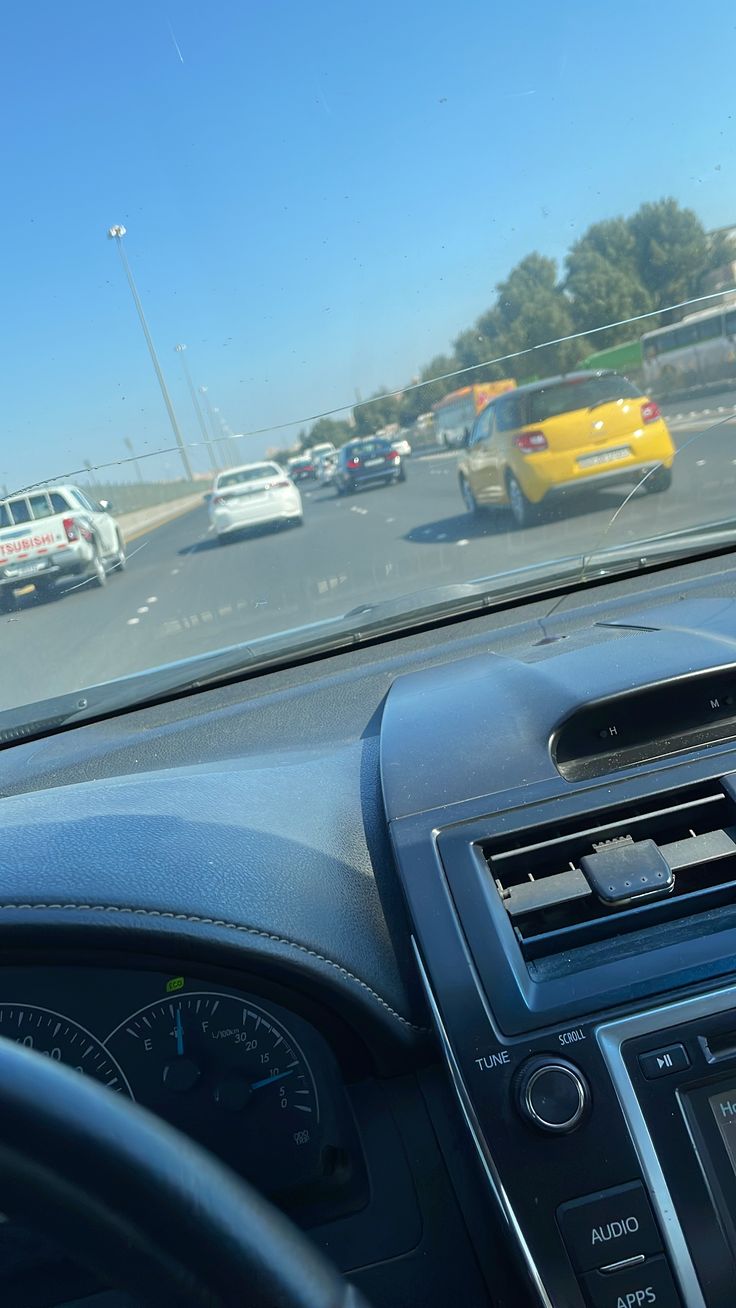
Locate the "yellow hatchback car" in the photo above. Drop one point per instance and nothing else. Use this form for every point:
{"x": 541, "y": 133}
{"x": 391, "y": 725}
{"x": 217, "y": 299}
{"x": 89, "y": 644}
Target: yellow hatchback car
{"x": 552, "y": 437}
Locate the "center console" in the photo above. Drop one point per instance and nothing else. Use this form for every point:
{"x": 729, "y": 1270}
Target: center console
{"x": 575, "y": 931}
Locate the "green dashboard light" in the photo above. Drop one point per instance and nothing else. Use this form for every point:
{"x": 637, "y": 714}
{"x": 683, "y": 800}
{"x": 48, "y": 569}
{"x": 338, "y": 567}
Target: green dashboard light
{"x": 176, "y": 983}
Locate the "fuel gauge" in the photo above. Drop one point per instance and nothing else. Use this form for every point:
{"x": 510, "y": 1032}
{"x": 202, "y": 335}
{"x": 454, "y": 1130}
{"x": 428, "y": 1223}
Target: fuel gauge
{"x": 228, "y": 1073}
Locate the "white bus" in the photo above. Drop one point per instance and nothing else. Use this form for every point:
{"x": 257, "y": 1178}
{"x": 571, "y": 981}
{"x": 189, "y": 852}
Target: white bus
{"x": 701, "y": 348}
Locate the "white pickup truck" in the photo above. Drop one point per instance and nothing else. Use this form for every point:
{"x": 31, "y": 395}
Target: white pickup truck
{"x": 54, "y": 534}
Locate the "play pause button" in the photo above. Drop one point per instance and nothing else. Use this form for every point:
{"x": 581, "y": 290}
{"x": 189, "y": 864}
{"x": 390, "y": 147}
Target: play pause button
{"x": 663, "y": 1062}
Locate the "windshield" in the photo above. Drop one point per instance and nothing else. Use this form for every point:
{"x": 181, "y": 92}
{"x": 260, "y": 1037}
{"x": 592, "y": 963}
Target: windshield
{"x": 481, "y": 306}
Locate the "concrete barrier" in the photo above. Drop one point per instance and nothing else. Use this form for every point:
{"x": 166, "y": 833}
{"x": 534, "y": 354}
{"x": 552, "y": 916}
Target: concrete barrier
{"x": 136, "y": 524}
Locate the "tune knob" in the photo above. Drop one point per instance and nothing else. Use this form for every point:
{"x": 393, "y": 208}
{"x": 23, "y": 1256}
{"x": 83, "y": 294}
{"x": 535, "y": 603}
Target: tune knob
{"x": 552, "y": 1094}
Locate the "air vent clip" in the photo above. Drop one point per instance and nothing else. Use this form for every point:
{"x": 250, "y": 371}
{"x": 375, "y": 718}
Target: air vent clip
{"x": 624, "y": 870}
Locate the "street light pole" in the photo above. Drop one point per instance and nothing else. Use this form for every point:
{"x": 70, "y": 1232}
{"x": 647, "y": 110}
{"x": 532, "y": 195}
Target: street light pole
{"x": 116, "y": 234}
{"x": 180, "y": 350}
{"x": 127, "y": 442}
{"x": 204, "y": 390}
{"x": 224, "y": 438}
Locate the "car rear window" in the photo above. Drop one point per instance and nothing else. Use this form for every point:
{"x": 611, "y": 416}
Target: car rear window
{"x": 367, "y": 449}
{"x": 28, "y": 509}
{"x": 567, "y": 396}
{"x": 257, "y": 473}
{"x": 40, "y": 506}
{"x": 20, "y": 511}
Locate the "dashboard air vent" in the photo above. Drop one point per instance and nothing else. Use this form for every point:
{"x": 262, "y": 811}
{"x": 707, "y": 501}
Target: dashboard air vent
{"x": 584, "y": 881}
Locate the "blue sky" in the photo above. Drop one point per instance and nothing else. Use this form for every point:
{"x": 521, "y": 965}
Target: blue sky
{"x": 318, "y": 196}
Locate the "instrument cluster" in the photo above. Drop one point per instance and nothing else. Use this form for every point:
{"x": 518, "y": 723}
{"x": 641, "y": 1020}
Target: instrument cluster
{"x": 252, "y": 1082}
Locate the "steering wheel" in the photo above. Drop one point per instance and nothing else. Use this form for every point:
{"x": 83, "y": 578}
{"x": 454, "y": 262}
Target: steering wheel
{"x": 148, "y": 1210}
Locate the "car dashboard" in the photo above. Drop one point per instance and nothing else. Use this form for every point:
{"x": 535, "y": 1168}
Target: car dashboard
{"x": 432, "y": 941}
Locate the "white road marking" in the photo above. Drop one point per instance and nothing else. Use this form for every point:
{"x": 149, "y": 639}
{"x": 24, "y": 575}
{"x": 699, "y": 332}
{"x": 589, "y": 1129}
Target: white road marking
{"x": 152, "y": 599}
{"x": 355, "y": 508}
{"x": 390, "y": 520}
{"x": 174, "y": 571}
{"x": 700, "y": 463}
{"x": 133, "y": 622}
{"x": 463, "y": 542}
{"x": 142, "y": 609}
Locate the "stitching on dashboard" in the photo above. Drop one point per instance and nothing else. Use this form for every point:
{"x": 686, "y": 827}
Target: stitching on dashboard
{"x": 229, "y": 926}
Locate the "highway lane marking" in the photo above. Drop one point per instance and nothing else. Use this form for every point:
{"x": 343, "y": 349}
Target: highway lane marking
{"x": 693, "y": 413}
{"x": 174, "y": 571}
{"x": 143, "y": 609}
{"x": 132, "y": 622}
{"x": 355, "y": 508}
{"x": 326, "y": 584}
{"x": 175, "y": 625}
{"x": 152, "y": 599}
{"x": 463, "y": 542}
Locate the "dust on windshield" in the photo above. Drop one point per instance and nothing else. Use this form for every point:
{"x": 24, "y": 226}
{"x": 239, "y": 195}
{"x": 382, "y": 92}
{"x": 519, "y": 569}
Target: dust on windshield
{"x": 244, "y": 236}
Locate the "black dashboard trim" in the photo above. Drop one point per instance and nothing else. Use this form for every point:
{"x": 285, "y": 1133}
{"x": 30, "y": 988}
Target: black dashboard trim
{"x": 611, "y": 1037}
{"x": 220, "y": 924}
{"x": 484, "y": 1153}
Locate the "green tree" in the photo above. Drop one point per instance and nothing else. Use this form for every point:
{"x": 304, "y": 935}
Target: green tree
{"x": 671, "y": 251}
{"x": 600, "y": 292}
{"x": 603, "y": 282}
{"x": 532, "y": 310}
{"x": 721, "y": 258}
{"x": 376, "y": 412}
{"x": 473, "y": 347}
{"x": 328, "y": 429}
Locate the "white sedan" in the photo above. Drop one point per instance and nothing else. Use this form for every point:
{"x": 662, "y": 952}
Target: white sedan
{"x": 252, "y": 495}
{"x": 402, "y": 447}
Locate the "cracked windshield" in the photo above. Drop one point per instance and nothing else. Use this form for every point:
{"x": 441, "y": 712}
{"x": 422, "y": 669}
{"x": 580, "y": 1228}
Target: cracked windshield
{"x": 316, "y": 312}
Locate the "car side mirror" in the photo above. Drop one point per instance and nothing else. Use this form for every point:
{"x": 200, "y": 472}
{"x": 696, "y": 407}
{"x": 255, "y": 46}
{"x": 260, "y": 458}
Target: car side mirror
{"x": 105, "y": 505}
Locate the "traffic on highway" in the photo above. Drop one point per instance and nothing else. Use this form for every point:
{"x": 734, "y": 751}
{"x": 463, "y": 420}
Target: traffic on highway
{"x": 181, "y": 595}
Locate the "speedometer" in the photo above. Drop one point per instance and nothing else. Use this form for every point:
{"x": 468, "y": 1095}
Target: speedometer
{"x": 65, "y": 1041}
{"x": 228, "y": 1073}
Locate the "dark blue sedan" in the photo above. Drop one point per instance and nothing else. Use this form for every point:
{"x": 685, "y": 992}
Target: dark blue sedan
{"x": 369, "y": 462}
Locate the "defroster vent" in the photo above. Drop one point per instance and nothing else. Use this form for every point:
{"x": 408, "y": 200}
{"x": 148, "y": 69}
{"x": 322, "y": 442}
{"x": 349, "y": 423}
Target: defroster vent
{"x": 582, "y": 881}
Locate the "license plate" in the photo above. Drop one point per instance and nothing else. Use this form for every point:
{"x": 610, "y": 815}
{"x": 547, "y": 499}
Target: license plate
{"x": 26, "y": 569}
{"x": 374, "y": 463}
{"x": 605, "y": 456}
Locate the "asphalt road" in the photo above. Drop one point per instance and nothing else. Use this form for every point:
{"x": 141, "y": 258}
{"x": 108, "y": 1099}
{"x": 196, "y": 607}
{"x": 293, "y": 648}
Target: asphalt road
{"x": 183, "y": 595}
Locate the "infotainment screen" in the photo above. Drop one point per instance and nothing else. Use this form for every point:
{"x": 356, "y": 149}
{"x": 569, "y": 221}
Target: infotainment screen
{"x": 723, "y": 1107}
